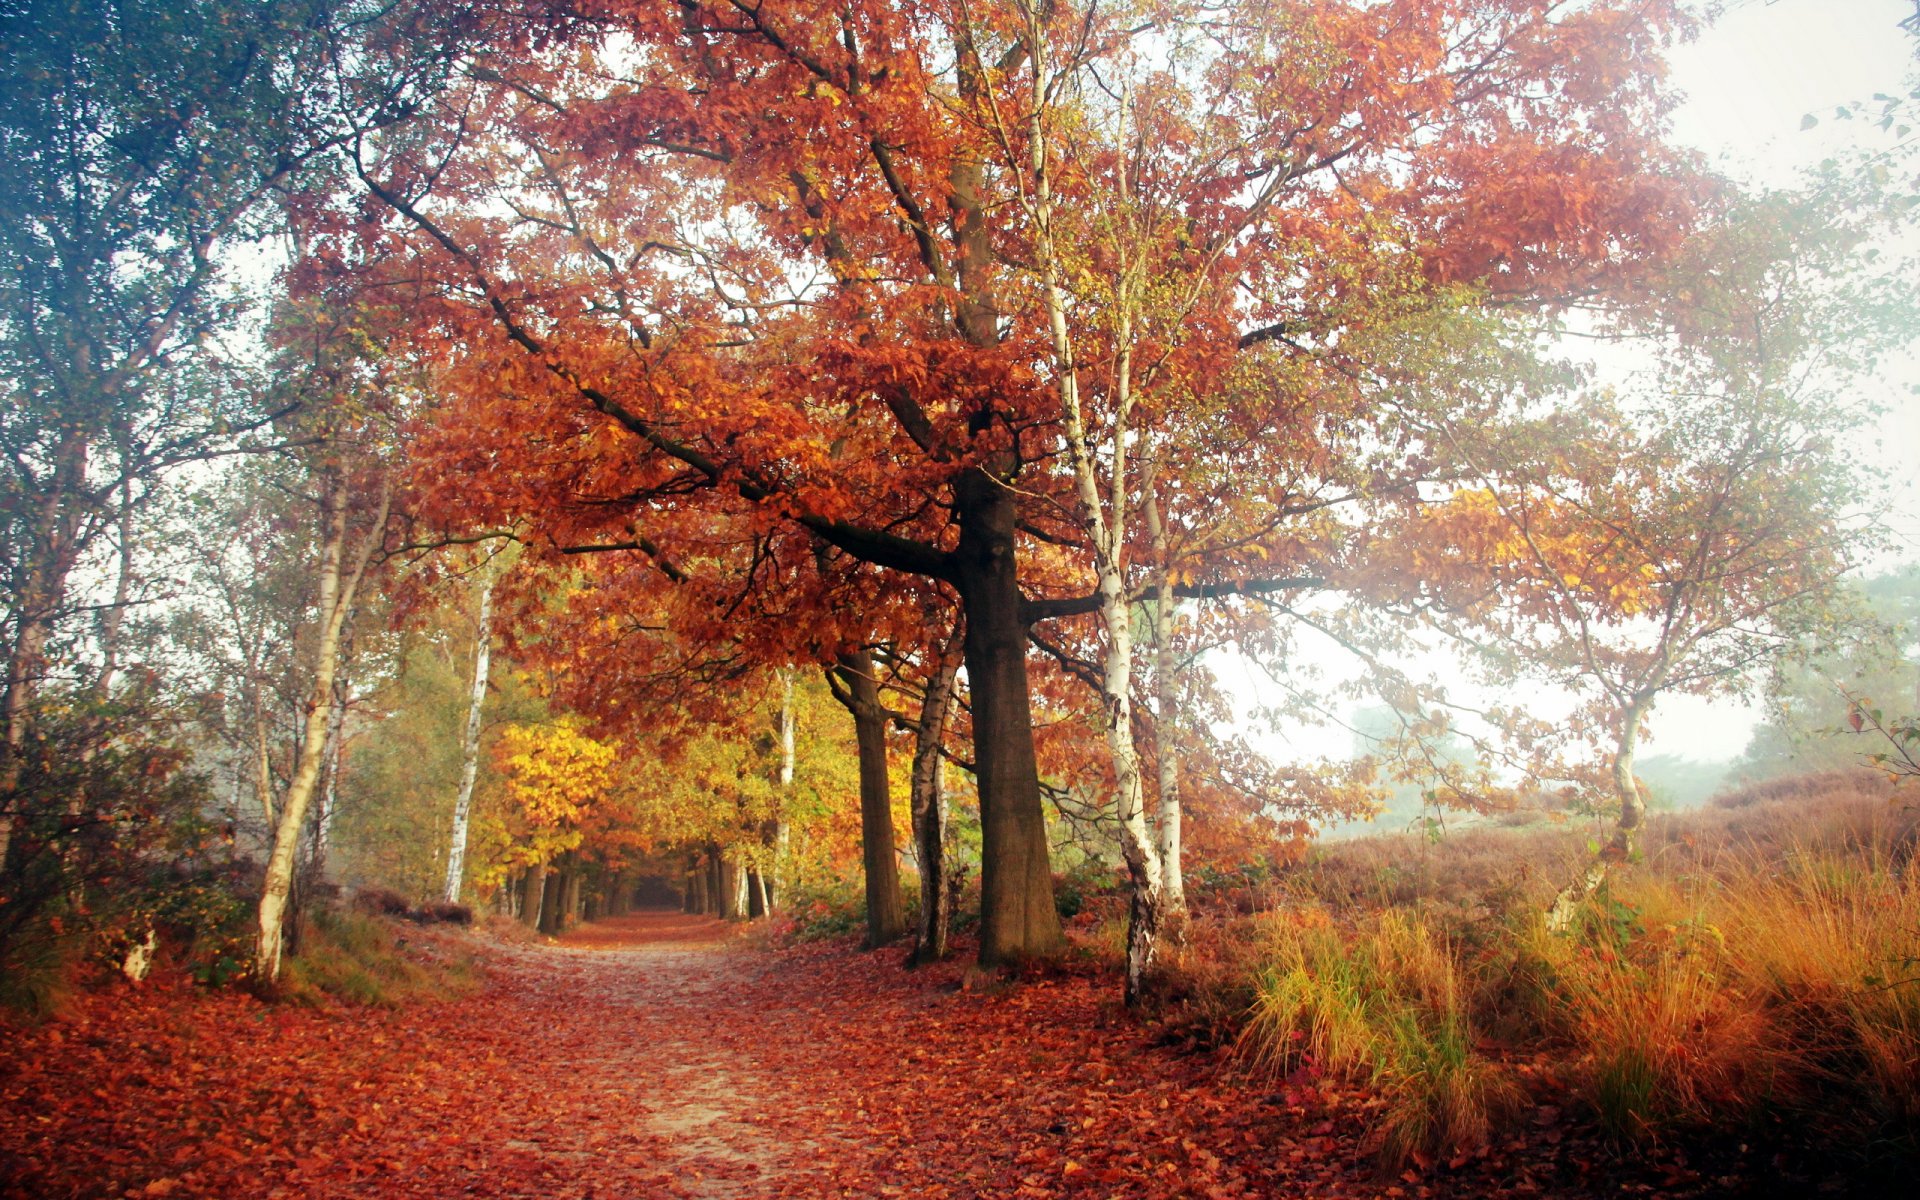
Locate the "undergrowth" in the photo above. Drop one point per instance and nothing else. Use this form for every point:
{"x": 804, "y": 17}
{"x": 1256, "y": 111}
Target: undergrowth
{"x": 1760, "y": 967}
{"x": 366, "y": 959}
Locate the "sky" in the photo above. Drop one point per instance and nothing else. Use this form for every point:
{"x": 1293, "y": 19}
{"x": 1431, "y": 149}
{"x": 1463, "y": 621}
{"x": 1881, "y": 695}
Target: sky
{"x": 1750, "y": 81}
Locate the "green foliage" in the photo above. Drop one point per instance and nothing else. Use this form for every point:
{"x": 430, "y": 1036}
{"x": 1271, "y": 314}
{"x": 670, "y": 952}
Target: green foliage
{"x": 103, "y": 798}
{"x": 361, "y": 959}
{"x": 820, "y": 911}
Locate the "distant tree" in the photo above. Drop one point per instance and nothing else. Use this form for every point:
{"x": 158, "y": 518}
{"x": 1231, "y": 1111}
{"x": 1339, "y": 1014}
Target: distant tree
{"x": 1682, "y": 541}
{"x": 1811, "y": 692}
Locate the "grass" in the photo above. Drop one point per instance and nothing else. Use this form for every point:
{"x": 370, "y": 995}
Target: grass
{"x": 363, "y": 959}
{"x": 1760, "y": 967}
{"x": 1384, "y": 1005}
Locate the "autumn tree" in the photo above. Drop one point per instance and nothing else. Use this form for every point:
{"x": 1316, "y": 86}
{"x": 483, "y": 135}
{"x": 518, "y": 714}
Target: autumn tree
{"x": 1681, "y": 541}
{"x": 811, "y": 268}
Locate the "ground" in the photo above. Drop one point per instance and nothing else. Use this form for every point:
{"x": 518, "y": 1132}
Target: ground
{"x": 661, "y": 1055}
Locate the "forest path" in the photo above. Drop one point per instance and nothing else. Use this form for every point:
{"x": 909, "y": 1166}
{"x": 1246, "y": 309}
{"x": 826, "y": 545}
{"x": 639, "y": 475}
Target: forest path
{"x": 655, "y": 1055}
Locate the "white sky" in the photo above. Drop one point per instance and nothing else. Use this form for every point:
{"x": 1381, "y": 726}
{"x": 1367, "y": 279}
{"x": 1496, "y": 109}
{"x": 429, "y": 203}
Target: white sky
{"x": 1750, "y": 80}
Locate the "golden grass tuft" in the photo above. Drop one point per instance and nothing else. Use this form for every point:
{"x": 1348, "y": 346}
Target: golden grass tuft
{"x": 1383, "y": 1005}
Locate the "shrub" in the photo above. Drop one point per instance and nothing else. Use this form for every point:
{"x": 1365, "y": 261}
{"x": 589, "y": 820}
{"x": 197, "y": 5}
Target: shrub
{"x": 447, "y": 914}
{"x": 381, "y": 900}
{"x": 835, "y": 909}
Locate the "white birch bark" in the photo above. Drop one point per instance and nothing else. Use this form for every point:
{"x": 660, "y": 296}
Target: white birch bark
{"x": 339, "y": 584}
{"x": 1166, "y": 683}
{"x": 1106, "y": 524}
{"x": 470, "y": 745}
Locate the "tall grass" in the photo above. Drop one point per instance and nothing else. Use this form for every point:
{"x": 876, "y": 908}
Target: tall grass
{"x": 1383, "y": 1005}
{"x": 1763, "y": 963}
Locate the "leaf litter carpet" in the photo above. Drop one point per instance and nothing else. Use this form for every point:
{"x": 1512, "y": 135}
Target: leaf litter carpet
{"x": 658, "y": 1055}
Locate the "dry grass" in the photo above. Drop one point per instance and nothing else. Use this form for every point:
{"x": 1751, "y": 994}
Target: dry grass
{"x": 1384, "y": 1004}
{"x": 1762, "y": 961}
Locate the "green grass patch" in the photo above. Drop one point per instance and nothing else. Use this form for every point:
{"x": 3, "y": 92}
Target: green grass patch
{"x": 363, "y": 959}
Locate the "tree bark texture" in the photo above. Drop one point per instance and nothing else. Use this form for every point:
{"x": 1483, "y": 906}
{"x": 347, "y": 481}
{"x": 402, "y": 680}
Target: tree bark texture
{"x": 929, "y": 803}
{"x": 1018, "y": 920}
{"x": 886, "y": 920}
{"x": 338, "y": 587}
{"x": 470, "y": 745}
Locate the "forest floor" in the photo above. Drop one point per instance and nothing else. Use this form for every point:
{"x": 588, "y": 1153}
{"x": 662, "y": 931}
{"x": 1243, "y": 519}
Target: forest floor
{"x": 660, "y": 1055}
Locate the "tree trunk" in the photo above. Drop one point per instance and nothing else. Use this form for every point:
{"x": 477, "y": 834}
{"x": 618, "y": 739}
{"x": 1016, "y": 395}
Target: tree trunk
{"x": 696, "y": 899}
{"x": 552, "y": 895}
{"x": 470, "y": 745}
{"x": 337, "y": 590}
{"x": 263, "y": 757}
{"x": 1166, "y": 686}
{"x": 330, "y": 792}
{"x": 535, "y": 883}
{"x": 756, "y": 894}
{"x": 718, "y": 884}
{"x": 54, "y": 535}
{"x": 885, "y": 919}
{"x": 1017, "y": 915}
{"x": 782, "y": 834}
{"x": 728, "y": 881}
{"x": 1625, "y": 842}
{"x": 929, "y": 802}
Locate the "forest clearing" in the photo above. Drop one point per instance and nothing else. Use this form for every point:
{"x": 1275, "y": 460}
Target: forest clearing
{"x": 672, "y": 1055}
{"x": 1136, "y": 598}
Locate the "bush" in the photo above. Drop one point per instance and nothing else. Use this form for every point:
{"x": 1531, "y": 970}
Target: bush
{"x": 384, "y": 901}
{"x": 835, "y": 909}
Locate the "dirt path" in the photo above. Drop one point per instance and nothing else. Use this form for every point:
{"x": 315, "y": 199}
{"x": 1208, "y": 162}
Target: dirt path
{"x": 662, "y": 1056}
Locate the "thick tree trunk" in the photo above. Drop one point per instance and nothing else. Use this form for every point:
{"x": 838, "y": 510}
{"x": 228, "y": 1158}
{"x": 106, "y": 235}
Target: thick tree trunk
{"x": 552, "y": 896}
{"x": 1017, "y": 915}
{"x": 732, "y": 894}
{"x": 929, "y": 802}
{"x": 470, "y": 745}
{"x": 756, "y": 894}
{"x": 886, "y": 920}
